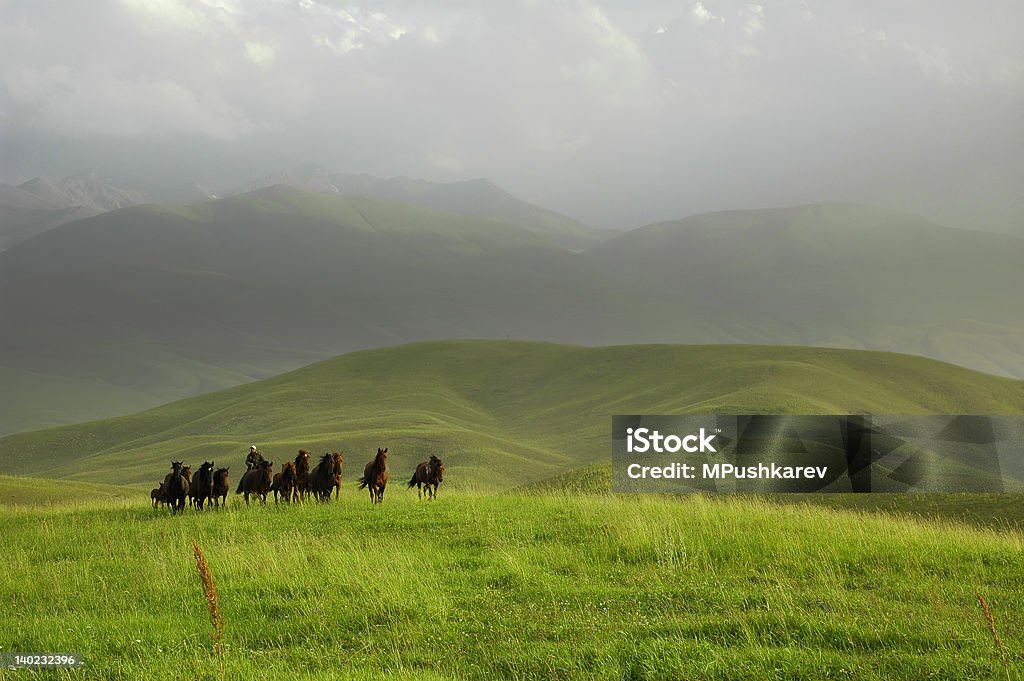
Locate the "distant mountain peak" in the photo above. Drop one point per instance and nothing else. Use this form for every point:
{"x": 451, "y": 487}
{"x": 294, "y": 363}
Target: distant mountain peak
{"x": 476, "y": 197}
{"x": 87, "y": 191}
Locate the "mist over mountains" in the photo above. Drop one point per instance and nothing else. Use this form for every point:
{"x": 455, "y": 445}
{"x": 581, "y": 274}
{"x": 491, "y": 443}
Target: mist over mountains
{"x": 40, "y": 204}
{"x": 131, "y": 308}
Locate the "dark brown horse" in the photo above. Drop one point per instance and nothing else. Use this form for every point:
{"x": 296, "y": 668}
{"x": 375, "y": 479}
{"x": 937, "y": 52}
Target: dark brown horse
{"x": 339, "y": 463}
{"x": 201, "y": 488}
{"x": 257, "y": 481}
{"x": 284, "y": 482}
{"x": 326, "y": 476}
{"x": 428, "y": 477}
{"x": 375, "y": 476}
{"x": 157, "y": 495}
{"x": 176, "y": 487}
{"x": 221, "y": 487}
{"x": 301, "y": 488}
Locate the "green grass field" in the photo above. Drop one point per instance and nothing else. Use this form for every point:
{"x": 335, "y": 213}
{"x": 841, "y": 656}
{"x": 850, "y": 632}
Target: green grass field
{"x": 512, "y": 586}
{"x": 527, "y": 567}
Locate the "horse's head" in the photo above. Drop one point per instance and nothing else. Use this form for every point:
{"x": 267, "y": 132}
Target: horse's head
{"x": 207, "y": 466}
{"x": 176, "y": 467}
{"x": 382, "y": 454}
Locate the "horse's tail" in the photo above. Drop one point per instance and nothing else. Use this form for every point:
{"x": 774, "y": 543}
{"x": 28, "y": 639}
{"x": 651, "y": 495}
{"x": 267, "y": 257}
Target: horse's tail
{"x": 363, "y": 482}
{"x": 239, "y": 490}
{"x": 412, "y": 482}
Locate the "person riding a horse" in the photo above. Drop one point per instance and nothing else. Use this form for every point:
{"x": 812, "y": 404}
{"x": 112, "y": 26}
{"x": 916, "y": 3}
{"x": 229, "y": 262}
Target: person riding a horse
{"x": 253, "y": 459}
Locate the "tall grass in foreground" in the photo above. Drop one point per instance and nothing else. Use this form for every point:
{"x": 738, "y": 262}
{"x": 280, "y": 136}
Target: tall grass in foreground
{"x": 995, "y": 634}
{"x": 212, "y": 604}
{"x": 513, "y": 586}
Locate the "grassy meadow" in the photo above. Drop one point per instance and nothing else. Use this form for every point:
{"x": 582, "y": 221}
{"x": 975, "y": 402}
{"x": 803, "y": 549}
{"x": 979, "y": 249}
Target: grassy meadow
{"x": 529, "y": 586}
{"x": 526, "y": 567}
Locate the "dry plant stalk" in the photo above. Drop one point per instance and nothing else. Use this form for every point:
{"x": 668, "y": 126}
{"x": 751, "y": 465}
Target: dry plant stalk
{"x": 995, "y": 634}
{"x": 212, "y": 604}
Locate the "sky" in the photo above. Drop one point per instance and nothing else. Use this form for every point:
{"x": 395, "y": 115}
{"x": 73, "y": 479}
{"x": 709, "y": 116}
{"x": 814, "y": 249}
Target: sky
{"x": 618, "y": 114}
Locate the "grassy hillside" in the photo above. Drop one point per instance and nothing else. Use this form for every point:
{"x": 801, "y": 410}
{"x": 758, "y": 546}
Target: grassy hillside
{"x": 499, "y": 413}
{"x": 826, "y": 274}
{"x": 527, "y": 587}
{"x": 24, "y": 491}
{"x": 153, "y": 303}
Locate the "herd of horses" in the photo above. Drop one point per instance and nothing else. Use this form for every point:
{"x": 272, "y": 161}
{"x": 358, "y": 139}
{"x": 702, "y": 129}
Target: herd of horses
{"x": 296, "y": 481}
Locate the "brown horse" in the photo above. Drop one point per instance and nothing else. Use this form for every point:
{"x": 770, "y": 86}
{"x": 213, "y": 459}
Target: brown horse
{"x": 157, "y": 495}
{"x": 339, "y": 462}
{"x": 221, "y": 486}
{"x": 326, "y": 476}
{"x": 257, "y": 481}
{"x": 284, "y": 482}
{"x": 427, "y": 477}
{"x": 201, "y": 488}
{"x": 301, "y": 488}
{"x": 375, "y": 476}
{"x": 176, "y": 487}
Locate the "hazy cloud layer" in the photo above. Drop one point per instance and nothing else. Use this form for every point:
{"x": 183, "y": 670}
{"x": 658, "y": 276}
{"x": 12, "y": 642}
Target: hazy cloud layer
{"x": 617, "y": 113}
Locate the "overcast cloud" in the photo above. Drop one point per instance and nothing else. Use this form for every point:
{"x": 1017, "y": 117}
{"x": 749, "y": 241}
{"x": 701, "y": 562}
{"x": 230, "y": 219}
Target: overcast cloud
{"x": 616, "y": 113}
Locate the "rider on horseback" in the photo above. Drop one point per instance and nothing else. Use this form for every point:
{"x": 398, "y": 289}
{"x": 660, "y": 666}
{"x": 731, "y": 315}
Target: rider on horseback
{"x": 253, "y": 459}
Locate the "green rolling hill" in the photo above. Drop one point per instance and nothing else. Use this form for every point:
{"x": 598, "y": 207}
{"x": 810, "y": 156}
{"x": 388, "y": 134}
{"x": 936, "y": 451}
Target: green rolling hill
{"x": 149, "y": 304}
{"x": 501, "y": 414}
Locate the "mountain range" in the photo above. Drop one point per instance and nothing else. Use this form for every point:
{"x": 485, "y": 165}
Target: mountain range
{"x": 131, "y": 308}
{"x": 40, "y": 204}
